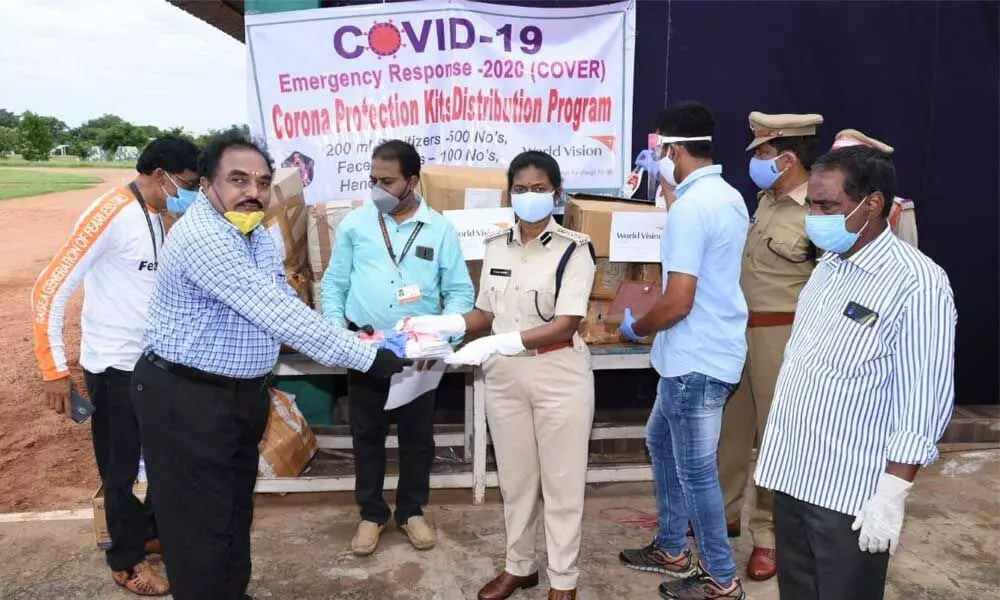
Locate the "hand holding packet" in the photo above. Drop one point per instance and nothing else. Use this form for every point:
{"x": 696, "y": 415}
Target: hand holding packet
{"x": 412, "y": 344}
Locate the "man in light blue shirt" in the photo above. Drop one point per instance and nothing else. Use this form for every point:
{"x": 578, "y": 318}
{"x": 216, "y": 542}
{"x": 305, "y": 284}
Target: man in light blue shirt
{"x": 394, "y": 257}
{"x": 700, "y": 326}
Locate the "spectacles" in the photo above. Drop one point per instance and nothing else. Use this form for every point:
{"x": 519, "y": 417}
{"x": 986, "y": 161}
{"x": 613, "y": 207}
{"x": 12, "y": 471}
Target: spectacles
{"x": 180, "y": 182}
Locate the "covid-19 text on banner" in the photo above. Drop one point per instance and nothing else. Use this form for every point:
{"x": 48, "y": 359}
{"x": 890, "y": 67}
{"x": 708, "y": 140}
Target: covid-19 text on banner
{"x": 467, "y": 83}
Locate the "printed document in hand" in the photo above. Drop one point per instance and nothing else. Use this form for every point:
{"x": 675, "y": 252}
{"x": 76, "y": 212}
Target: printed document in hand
{"x": 414, "y": 381}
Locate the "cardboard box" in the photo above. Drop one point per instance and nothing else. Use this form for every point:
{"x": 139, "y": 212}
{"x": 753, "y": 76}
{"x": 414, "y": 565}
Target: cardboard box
{"x": 594, "y": 329}
{"x": 448, "y": 187}
{"x": 591, "y": 214}
{"x": 321, "y": 228}
{"x": 286, "y": 218}
{"x": 647, "y": 272}
{"x": 608, "y": 277}
{"x": 317, "y": 295}
{"x": 288, "y": 444}
{"x": 101, "y": 516}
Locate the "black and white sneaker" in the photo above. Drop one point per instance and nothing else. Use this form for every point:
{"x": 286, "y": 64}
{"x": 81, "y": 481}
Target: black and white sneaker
{"x": 654, "y": 560}
{"x": 701, "y": 586}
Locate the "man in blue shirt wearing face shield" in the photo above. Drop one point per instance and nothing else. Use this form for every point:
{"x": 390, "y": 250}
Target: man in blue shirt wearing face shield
{"x": 393, "y": 258}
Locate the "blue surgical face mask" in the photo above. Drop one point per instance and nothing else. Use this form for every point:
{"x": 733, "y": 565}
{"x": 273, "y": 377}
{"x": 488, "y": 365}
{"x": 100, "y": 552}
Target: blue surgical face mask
{"x": 182, "y": 201}
{"x": 764, "y": 171}
{"x": 532, "y": 207}
{"x": 830, "y": 232}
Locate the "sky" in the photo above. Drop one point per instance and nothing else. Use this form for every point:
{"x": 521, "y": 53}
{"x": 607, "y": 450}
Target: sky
{"x": 143, "y": 60}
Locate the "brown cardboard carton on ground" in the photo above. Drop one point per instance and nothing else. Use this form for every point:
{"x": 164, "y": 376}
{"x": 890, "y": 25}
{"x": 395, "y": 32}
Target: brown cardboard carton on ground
{"x": 101, "y": 514}
{"x": 448, "y": 187}
{"x": 591, "y": 214}
{"x": 608, "y": 277}
{"x": 321, "y": 228}
{"x": 288, "y": 444}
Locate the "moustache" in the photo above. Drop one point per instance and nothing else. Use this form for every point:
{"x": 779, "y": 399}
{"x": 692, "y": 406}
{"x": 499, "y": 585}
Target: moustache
{"x": 250, "y": 204}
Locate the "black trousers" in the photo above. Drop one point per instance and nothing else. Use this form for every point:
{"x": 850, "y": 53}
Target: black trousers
{"x": 818, "y": 555}
{"x": 200, "y": 442}
{"x": 369, "y": 428}
{"x": 115, "y": 432}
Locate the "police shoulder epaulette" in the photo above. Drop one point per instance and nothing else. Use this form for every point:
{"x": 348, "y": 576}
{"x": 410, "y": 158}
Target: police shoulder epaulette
{"x": 574, "y": 236}
{"x": 904, "y": 203}
{"x": 508, "y": 234}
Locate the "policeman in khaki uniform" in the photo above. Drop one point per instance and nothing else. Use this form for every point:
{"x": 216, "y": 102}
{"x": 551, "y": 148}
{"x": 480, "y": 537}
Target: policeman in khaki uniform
{"x": 533, "y": 293}
{"x": 777, "y": 261}
{"x": 902, "y": 216}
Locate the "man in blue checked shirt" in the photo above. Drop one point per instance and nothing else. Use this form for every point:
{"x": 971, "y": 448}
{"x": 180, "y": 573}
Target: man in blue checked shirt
{"x": 865, "y": 390}
{"x": 220, "y": 309}
{"x": 394, "y": 257}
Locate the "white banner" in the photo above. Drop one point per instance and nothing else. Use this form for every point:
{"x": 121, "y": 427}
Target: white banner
{"x": 467, "y": 83}
{"x": 635, "y": 236}
{"x": 475, "y": 225}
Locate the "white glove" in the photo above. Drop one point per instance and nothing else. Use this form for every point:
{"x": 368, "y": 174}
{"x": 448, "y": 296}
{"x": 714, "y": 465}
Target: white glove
{"x": 477, "y": 351}
{"x": 881, "y": 517}
{"x": 445, "y": 325}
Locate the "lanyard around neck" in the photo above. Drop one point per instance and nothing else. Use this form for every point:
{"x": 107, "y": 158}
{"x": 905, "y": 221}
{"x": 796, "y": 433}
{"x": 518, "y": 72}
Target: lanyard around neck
{"x": 388, "y": 243}
{"x": 149, "y": 222}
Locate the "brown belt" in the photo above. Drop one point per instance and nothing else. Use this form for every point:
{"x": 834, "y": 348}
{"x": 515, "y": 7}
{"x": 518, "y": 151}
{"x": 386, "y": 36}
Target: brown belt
{"x": 554, "y": 347}
{"x": 770, "y": 319}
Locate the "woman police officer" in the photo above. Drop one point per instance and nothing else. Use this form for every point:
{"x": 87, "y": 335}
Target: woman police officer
{"x": 533, "y": 293}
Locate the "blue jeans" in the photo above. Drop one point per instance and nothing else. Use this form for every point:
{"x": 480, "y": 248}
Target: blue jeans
{"x": 683, "y": 438}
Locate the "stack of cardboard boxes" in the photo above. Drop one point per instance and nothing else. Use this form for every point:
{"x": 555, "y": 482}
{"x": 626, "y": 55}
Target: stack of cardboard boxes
{"x": 592, "y": 215}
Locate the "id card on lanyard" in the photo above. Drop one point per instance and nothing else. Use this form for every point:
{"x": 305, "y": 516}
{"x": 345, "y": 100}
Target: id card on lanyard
{"x": 407, "y": 293}
{"x": 149, "y": 222}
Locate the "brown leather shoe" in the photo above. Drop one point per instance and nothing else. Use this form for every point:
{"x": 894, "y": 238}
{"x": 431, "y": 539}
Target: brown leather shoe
{"x": 154, "y": 546}
{"x": 733, "y": 529}
{"x": 555, "y": 594}
{"x": 505, "y": 584}
{"x": 142, "y": 580}
{"x": 763, "y": 564}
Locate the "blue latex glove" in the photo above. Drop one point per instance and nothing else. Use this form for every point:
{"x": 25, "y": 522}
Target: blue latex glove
{"x": 394, "y": 341}
{"x": 648, "y": 160}
{"x": 626, "y": 327}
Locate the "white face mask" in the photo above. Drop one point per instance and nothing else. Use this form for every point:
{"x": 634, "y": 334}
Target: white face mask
{"x": 532, "y": 207}
{"x": 667, "y": 170}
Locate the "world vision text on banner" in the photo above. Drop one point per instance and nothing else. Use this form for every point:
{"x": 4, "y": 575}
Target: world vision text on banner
{"x": 467, "y": 83}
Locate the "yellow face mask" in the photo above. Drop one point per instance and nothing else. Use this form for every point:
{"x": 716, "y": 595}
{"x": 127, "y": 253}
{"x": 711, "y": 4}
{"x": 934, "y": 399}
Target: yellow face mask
{"x": 245, "y": 222}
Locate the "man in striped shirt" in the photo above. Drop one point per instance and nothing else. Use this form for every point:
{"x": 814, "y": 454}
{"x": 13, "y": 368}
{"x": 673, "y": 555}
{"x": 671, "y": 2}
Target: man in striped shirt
{"x": 865, "y": 390}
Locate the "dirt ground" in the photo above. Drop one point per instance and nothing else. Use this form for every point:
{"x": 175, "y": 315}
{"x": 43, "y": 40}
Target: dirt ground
{"x": 45, "y": 459}
{"x": 948, "y": 549}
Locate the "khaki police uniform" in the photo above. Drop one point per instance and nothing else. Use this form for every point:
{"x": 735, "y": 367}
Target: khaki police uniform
{"x": 539, "y": 404}
{"x": 902, "y": 215}
{"x": 777, "y": 261}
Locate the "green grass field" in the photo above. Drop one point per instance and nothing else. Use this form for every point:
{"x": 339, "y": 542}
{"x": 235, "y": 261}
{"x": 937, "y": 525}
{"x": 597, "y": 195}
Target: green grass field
{"x": 64, "y": 162}
{"x": 16, "y": 183}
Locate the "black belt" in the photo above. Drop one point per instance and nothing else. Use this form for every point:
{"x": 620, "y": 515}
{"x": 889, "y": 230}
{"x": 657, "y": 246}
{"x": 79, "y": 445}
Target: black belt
{"x": 203, "y": 376}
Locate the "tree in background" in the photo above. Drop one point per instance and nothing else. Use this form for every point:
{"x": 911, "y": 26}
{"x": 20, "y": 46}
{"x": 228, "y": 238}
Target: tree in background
{"x": 124, "y": 134}
{"x": 36, "y": 136}
{"x": 202, "y": 140}
{"x": 9, "y": 119}
{"x": 8, "y": 141}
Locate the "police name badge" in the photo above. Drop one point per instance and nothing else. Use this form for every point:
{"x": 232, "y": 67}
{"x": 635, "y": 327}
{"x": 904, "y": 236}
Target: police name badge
{"x": 407, "y": 294}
